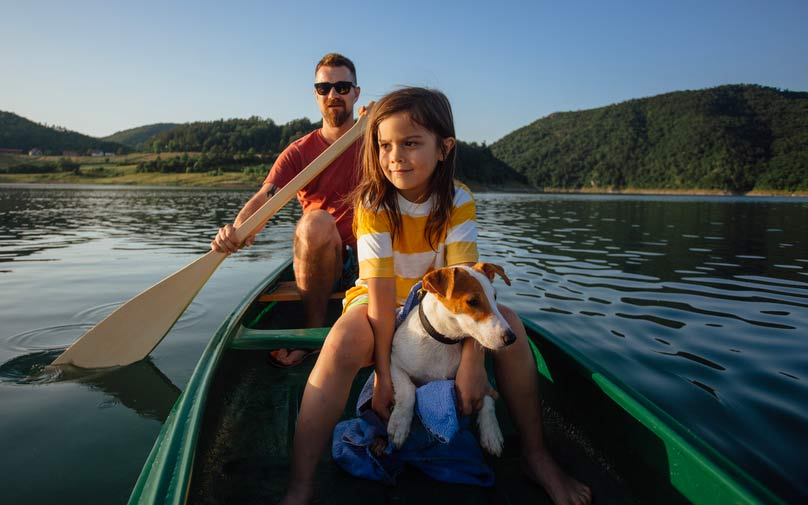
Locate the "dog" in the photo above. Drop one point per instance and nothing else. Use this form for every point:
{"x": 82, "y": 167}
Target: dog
{"x": 458, "y": 302}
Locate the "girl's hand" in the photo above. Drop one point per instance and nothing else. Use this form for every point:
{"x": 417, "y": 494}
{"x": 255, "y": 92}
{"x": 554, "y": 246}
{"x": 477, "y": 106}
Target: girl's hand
{"x": 383, "y": 396}
{"x": 471, "y": 382}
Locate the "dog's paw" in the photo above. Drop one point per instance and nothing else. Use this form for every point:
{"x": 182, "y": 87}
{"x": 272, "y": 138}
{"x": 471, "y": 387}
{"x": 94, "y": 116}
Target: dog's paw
{"x": 492, "y": 440}
{"x": 398, "y": 428}
{"x": 490, "y": 435}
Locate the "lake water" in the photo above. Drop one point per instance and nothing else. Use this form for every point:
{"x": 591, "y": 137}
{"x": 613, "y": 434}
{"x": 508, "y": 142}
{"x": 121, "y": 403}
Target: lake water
{"x": 699, "y": 303}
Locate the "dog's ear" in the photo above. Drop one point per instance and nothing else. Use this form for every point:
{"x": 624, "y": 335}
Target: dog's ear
{"x": 440, "y": 281}
{"x": 489, "y": 269}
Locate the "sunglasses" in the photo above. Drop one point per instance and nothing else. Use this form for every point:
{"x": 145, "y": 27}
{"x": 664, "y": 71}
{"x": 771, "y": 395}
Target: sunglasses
{"x": 342, "y": 87}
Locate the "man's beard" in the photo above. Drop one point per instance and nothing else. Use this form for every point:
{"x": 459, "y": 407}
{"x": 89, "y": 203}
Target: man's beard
{"x": 336, "y": 117}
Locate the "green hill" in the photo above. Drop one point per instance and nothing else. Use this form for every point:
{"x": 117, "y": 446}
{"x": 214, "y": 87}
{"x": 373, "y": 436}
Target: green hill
{"x": 137, "y": 138}
{"x": 16, "y": 132}
{"x": 476, "y": 164}
{"x": 731, "y": 138}
{"x": 231, "y": 136}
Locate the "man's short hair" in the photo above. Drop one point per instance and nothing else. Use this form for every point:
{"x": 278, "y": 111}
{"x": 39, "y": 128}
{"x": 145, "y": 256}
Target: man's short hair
{"x": 337, "y": 60}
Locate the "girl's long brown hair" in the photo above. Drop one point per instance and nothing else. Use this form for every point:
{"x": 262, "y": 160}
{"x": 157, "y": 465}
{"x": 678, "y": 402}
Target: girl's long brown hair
{"x": 430, "y": 109}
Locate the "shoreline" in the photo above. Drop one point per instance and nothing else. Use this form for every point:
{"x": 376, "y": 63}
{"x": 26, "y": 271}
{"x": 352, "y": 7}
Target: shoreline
{"x": 238, "y": 180}
{"x": 673, "y": 192}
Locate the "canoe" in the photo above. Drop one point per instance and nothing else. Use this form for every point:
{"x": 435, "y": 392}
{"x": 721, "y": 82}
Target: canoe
{"x": 228, "y": 437}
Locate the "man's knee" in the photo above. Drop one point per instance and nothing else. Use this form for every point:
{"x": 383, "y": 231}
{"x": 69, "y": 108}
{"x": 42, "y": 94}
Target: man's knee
{"x": 316, "y": 230}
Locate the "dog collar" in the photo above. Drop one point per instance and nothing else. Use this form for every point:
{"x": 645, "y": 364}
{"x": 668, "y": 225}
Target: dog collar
{"x": 430, "y": 330}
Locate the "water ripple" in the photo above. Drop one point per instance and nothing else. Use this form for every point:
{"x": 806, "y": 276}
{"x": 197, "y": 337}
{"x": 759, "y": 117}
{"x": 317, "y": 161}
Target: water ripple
{"x": 688, "y": 308}
{"x": 696, "y": 359}
{"x": 46, "y": 339}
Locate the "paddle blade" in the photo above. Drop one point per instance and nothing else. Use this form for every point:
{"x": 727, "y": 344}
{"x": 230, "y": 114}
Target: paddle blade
{"x": 135, "y": 328}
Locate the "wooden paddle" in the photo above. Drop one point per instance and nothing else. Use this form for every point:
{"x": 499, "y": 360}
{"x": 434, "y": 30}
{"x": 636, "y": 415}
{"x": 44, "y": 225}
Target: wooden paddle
{"x": 135, "y": 328}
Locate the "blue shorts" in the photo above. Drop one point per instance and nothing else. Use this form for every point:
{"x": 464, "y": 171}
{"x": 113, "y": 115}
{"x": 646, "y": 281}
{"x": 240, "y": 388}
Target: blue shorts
{"x": 350, "y": 269}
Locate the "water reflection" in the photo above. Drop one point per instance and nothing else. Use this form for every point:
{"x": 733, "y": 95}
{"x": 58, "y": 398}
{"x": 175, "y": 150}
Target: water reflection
{"x": 36, "y": 219}
{"x": 140, "y": 387}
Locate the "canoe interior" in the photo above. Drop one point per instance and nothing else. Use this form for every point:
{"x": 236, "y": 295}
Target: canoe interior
{"x": 246, "y": 437}
{"x": 623, "y": 448}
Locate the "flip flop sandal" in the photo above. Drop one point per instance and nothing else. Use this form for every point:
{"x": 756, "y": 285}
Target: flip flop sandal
{"x": 272, "y": 360}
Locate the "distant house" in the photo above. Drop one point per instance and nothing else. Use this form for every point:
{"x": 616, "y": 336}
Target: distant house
{"x": 70, "y": 153}
{"x": 4, "y": 150}
{"x": 109, "y": 154}
{"x": 35, "y": 152}
{"x": 95, "y": 153}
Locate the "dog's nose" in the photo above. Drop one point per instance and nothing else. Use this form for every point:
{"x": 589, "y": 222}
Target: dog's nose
{"x": 510, "y": 337}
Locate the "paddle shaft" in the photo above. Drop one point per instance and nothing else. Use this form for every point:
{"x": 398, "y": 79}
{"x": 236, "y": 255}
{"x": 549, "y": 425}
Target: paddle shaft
{"x": 135, "y": 328}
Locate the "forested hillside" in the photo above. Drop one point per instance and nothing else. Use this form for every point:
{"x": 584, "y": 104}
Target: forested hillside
{"x": 477, "y": 164}
{"x": 732, "y": 138}
{"x": 136, "y": 138}
{"x": 231, "y": 136}
{"x": 16, "y": 132}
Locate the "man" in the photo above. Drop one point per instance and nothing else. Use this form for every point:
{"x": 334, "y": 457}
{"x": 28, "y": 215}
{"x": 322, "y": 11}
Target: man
{"x": 323, "y": 243}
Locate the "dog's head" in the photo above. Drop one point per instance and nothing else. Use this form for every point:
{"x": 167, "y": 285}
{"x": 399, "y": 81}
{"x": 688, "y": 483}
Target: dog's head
{"x": 467, "y": 303}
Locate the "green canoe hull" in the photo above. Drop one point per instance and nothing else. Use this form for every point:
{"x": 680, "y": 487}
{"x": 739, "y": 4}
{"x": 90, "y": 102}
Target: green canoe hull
{"x": 228, "y": 437}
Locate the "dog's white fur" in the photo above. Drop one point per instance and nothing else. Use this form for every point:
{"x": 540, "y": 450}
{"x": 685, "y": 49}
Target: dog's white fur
{"x": 417, "y": 358}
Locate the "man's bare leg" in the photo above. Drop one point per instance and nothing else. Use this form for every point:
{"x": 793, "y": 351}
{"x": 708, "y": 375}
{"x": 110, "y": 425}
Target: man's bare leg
{"x": 348, "y": 347}
{"x": 318, "y": 264}
{"x": 518, "y": 383}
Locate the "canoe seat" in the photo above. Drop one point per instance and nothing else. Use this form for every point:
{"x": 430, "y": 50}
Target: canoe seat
{"x": 287, "y": 292}
{"x": 300, "y": 338}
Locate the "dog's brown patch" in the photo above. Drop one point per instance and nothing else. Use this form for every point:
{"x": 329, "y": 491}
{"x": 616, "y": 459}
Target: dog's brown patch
{"x": 489, "y": 269}
{"x": 459, "y": 292}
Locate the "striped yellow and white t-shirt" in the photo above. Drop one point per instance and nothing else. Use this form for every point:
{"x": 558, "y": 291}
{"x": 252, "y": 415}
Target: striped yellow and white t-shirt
{"x": 410, "y": 257}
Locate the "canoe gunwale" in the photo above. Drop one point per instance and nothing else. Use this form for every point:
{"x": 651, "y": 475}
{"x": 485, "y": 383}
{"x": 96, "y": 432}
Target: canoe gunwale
{"x": 696, "y": 469}
{"x": 166, "y": 474}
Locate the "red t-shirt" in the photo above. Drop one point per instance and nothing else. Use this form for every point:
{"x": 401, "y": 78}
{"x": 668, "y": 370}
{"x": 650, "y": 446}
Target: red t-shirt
{"x": 329, "y": 189}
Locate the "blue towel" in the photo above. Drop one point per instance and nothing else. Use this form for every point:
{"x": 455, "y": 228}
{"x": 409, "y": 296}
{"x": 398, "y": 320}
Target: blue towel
{"x": 440, "y": 444}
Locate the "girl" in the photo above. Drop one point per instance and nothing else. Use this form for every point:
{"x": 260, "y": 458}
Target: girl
{"x": 411, "y": 216}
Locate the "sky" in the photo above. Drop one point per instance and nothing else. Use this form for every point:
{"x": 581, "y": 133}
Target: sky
{"x": 98, "y": 67}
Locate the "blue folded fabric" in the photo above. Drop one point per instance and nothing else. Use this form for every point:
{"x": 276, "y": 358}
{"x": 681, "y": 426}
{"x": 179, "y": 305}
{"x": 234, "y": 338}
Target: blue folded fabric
{"x": 440, "y": 444}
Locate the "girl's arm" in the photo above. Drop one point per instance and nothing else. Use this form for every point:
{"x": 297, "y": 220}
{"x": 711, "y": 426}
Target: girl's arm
{"x": 382, "y": 317}
{"x": 471, "y": 382}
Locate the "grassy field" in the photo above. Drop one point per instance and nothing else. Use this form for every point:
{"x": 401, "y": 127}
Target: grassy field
{"x": 121, "y": 170}
{"x": 226, "y": 180}
{"x": 8, "y": 160}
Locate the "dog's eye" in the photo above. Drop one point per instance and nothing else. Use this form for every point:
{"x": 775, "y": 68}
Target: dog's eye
{"x": 472, "y": 302}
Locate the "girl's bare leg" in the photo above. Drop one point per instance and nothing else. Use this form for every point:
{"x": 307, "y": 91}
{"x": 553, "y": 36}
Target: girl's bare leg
{"x": 348, "y": 347}
{"x": 518, "y": 383}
